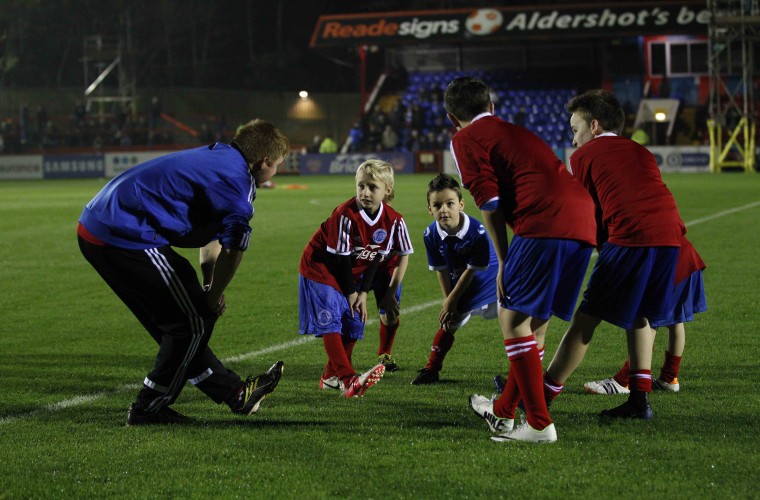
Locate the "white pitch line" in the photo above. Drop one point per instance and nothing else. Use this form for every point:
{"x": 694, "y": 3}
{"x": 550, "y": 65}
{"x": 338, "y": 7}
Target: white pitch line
{"x": 88, "y": 398}
{"x": 69, "y": 403}
{"x": 308, "y": 338}
{"x": 722, "y": 213}
{"x": 80, "y": 400}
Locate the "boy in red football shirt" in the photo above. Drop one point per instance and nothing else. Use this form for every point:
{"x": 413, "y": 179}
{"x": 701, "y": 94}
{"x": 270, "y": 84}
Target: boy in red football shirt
{"x": 338, "y": 268}
{"x": 518, "y": 181}
{"x": 632, "y": 280}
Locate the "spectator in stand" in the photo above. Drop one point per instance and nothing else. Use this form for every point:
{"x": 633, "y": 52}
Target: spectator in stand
{"x": 315, "y": 143}
{"x": 396, "y": 116}
{"x": 435, "y": 92}
{"x": 519, "y": 118}
{"x": 23, "y": 124}
{"x": 374, "y": 137}
{"x": 428, "y": 142}
{"x": 415, "y": 117}
{"x": 328, "y": 145}
{"x": 356, "y": 137}
{"x": 77, "y": 137}
{"x": 412, "y": 141}
{"x": 206, "y": 136}
{"x": 390, "y": 139}
{"x": 443, "y": 139}
{"x": 378, "y": 118}
{"x": 42, "y": 119}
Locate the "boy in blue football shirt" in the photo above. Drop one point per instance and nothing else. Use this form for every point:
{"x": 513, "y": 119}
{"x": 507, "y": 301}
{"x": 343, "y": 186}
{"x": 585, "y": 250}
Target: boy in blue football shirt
{"x": 459, "y": 249}
{"x": 198, "y": 198}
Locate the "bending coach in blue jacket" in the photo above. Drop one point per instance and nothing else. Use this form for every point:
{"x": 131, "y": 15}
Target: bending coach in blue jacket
{"x": 199, "y": 198}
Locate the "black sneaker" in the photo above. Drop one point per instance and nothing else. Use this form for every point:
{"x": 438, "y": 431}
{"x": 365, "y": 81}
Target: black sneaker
{"x": 426, "y": 376}
{"x": 139, "y": 416}
{"x": 630, "y": 410}
{"x": 255, "y": 389}
{"x": 388, "y": 362}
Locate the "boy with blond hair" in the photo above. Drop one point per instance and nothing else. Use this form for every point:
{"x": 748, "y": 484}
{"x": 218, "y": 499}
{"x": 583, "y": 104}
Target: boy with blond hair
{"x": 338, "y": 269}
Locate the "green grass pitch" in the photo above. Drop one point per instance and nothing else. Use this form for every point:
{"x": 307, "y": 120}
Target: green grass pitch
{"x": 72, "y": 357}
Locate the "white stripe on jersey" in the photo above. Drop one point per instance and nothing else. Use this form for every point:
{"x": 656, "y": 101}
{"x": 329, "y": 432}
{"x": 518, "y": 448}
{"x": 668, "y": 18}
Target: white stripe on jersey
{"x": 405, "y": 243}
{"x": 344, "y": 236}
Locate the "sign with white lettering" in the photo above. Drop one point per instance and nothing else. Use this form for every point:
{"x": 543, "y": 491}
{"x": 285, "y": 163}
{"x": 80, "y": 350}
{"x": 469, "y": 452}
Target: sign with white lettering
{"x": 494, "y": 23}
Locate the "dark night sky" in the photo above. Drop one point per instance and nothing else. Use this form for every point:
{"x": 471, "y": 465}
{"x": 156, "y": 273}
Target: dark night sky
{"x": 188, "y": 43}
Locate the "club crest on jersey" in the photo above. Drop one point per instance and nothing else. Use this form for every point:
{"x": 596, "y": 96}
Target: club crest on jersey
{"x": 379, "y": 235}
{"x": 324, "y": 317}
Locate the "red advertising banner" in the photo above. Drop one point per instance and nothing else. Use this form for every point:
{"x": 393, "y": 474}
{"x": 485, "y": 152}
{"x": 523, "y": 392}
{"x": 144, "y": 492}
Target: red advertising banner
{"x": 524, "y": 22}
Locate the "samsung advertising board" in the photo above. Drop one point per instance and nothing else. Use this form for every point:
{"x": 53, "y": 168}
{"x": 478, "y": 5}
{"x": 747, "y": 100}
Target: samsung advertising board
{"x": 73, "y": 166}
{"x": 20, "y": 167}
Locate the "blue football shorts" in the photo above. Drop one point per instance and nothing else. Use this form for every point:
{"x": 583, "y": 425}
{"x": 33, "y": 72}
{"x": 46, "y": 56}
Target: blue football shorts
{"x": 543, "y": 276}
{"x": 631, "y": 282}
{"x": 688, "y": 299}
{"x": 323, "y": 309}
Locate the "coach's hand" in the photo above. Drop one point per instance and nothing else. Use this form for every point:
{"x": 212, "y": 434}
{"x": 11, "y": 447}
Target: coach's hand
{"x": 217, "y": 305}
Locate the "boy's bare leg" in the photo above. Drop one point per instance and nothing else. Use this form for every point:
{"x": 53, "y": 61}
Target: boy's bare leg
{"x": 573, "y": 346}
{"x": 676, "y": 339}
{"x": 640, "y": 343}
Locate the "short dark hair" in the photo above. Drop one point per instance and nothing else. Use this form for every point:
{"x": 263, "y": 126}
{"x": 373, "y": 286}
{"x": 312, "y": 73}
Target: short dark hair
{"x": 441, "y": 182}
{"x": 466, "y": 97}
{"x": 600, "y": 105}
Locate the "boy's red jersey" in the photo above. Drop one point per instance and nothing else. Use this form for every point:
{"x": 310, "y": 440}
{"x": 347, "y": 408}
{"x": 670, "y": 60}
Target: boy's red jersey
{"x": 623, "y": 178}
{"x": 508, "y": 167}
{"x": 351, "y": 231}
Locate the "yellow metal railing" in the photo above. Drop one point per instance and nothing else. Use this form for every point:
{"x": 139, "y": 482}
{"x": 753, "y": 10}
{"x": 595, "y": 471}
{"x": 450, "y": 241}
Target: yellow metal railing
{"x": 739, "y": 149}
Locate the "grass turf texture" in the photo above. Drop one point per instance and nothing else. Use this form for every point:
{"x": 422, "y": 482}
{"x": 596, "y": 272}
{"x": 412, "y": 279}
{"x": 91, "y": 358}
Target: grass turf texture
{"x": 72, "y": 357}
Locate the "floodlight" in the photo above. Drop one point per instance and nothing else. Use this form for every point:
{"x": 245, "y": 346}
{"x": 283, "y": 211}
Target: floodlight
{"x": 657, "y": 110}
{"x": 303, "y": 94}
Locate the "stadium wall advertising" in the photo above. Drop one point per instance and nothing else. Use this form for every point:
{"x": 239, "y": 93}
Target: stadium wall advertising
{"x": 320, "y": 164}
{"x": 20, "y": 167}
{"x": 73, "y": 165}
{"x": 493, "y": 23}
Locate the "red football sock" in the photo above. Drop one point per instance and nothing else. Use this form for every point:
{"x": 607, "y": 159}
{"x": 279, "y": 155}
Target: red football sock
{"x": 670, "y": 367}
{"x": 336, "y": 353}
{"x": 387, "y": 336}
{"x": 552, "y": 388}
{"x": 505, "y": 406}
{"x": 524, "y": 361}
{"x": 442, "y": 343}
{"x": 640, "y": 381}
{"x": 621, "y": 377}
{"x": 348, "y": 345}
